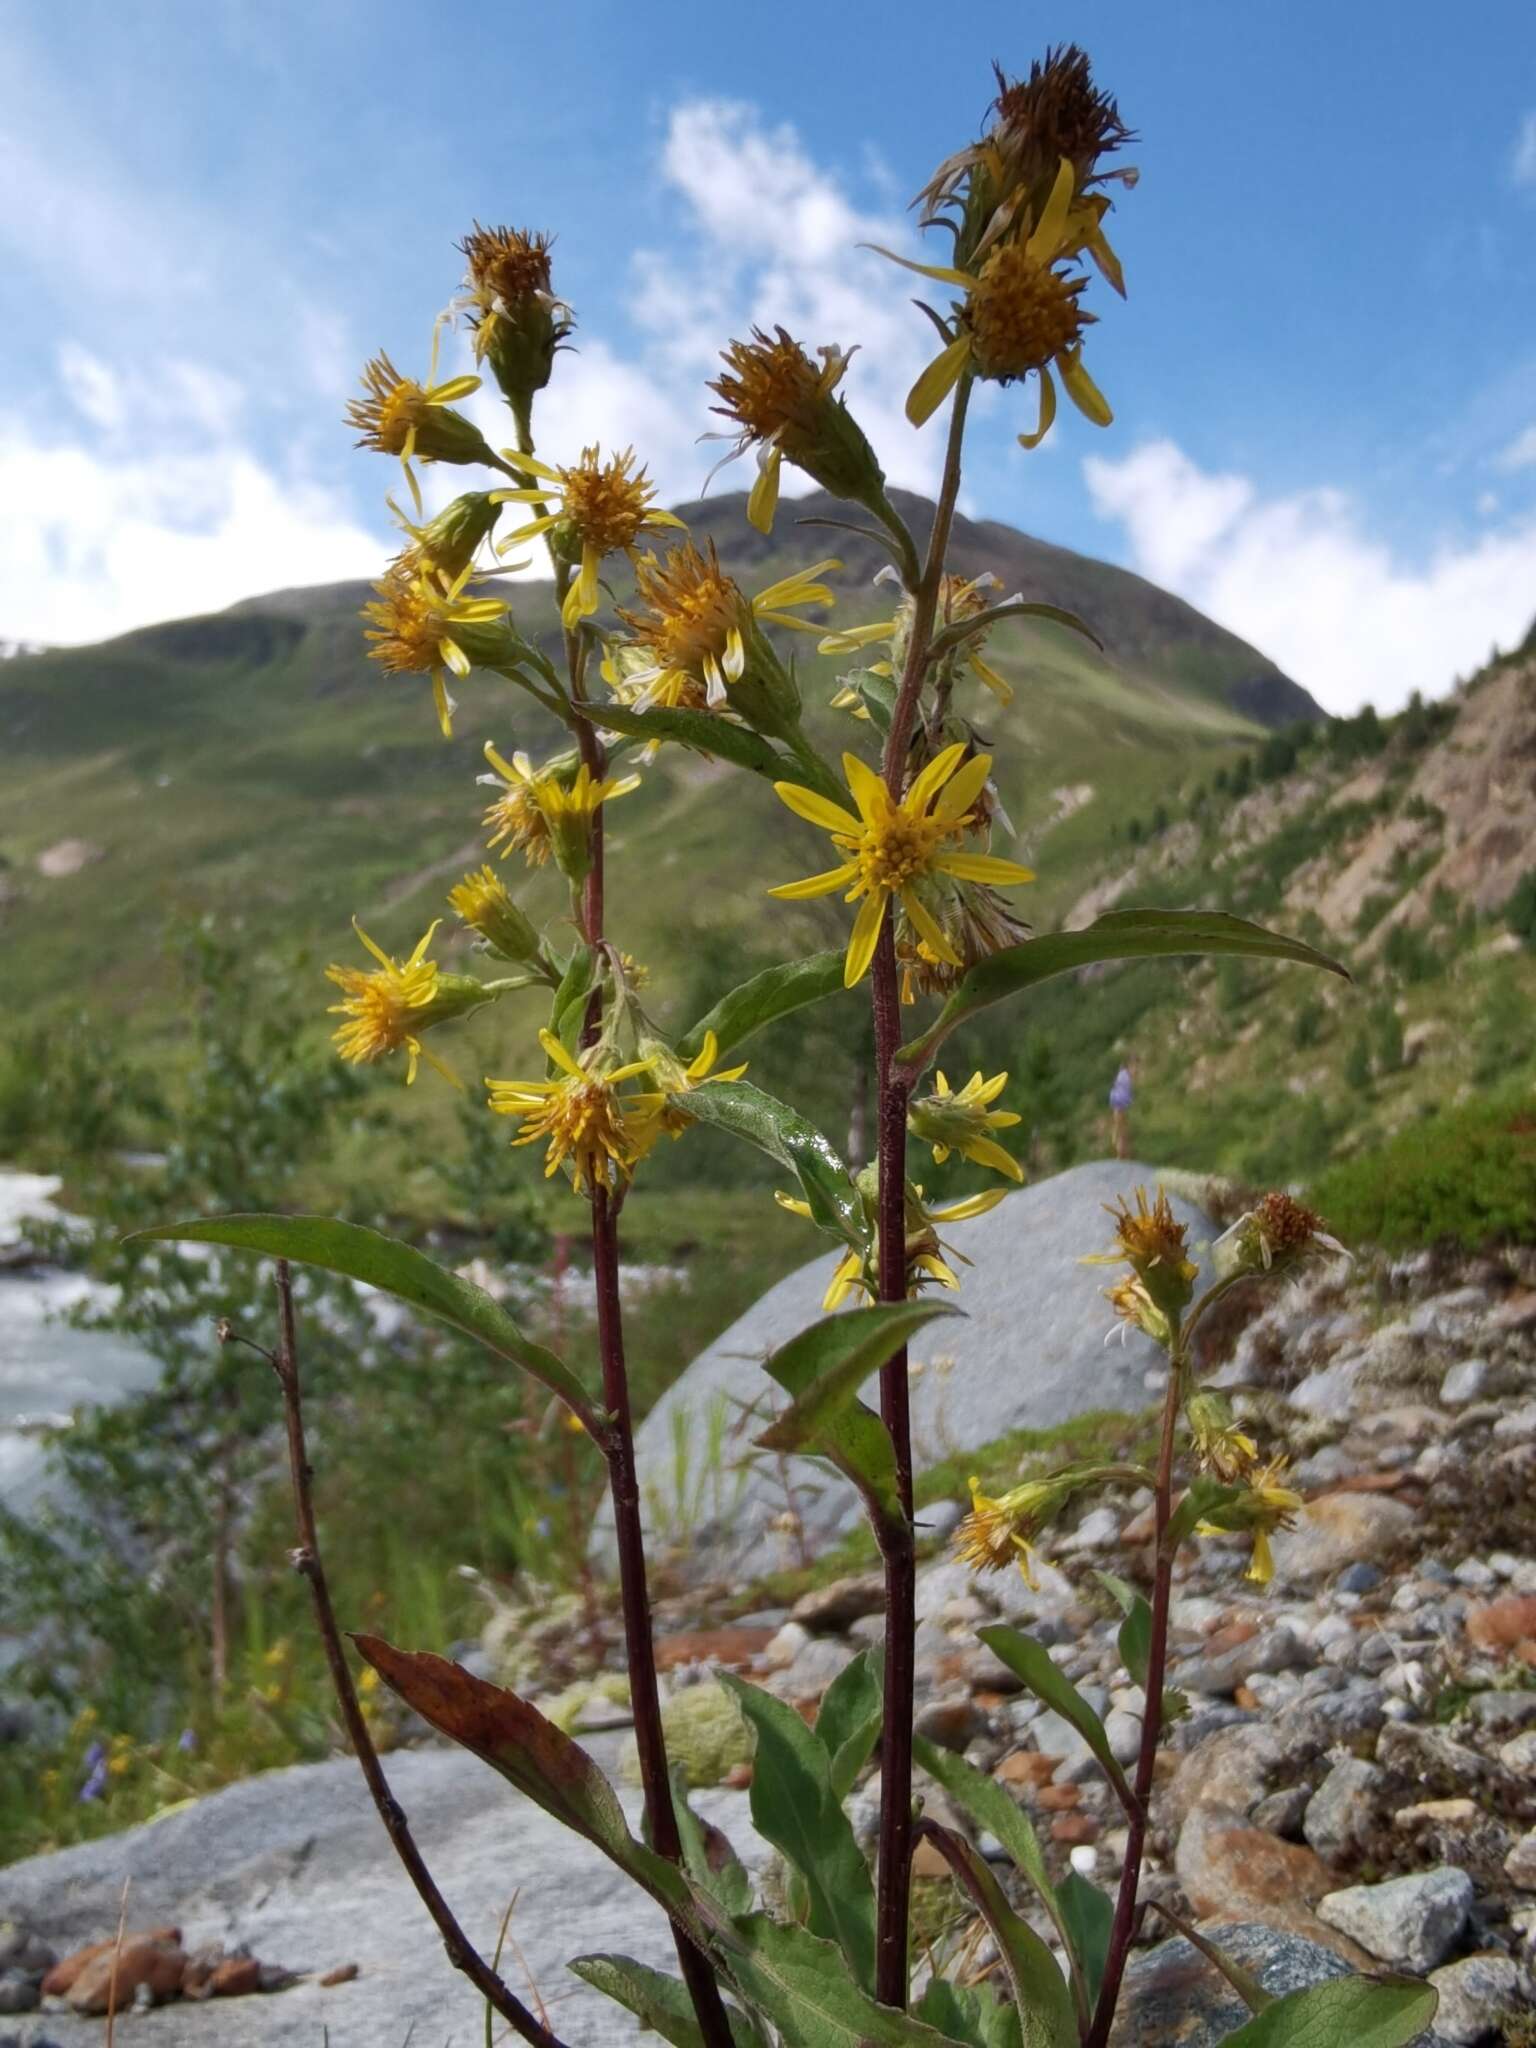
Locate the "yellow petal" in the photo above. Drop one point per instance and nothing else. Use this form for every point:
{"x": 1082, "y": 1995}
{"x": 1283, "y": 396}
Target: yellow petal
{"x": 444, "y": 703}
{"x": 581, "y": 598}
{"x": 529, "y": 464}
{"x": 704, "y": 1058}
{"x": 938, "y": 771}
{"x": 763, "y": 501}
{"x": 964, "y": 786}
{"x": 456, "y": 387}
{"x": 1047, "y": 410}
{"x": 1001, "y": 689}
{"x": 928, "y": 927}
{"x": 815, "y": 885}
{"x": 869, "y": 792}
{"x": 1083, "y": 392}
{"x": 454, "y": 657}
{"x": 376, "y": 950}
{"x": 984, "y": 867}
{"x": 937, "y": 381}
{"x": 865, "y": 937}
{"x": 815, "y": 809}
{"x": 855, "y": 637}
{"x": 557, "y": 1052}
{"x": 1051, "y": 226}
{"x": 933, "y": 270}
{"x": 973, "y": 1205}
{"x": 986, "y": 1153}
{"x": 502, "y": 766}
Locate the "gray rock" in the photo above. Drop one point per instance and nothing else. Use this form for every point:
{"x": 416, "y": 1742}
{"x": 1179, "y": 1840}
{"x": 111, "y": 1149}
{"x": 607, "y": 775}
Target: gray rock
{"x": 939, "y": 1521}
{"x": 1173, "y": 1998}
{"x": 1029, "y": 1352}
{"x": 1518, "y": 1424}
{"x": 1342, "y": 1810}
{"x": 1124, "y": 1732}
{"x": 1359, "y": 1578}
{"x": 1469, "y": 1381}
{"x": 1329, "y": 1395}
{"x": 828, "y": 1610}
{"x": 1272, "y": 1649}
{"x": 1283, "y": 1812}
{"x": 18, "y": 1992}
{"x": 1520, "y": 1863}
{"x": 1519, "y": 1753}
{"x": 1500, "y": 1713}
{"x": 1476, "y": 1994}
{"x": 1337, "y": 1530}
{"x": 1411, "y": 1922}
{"x": 295, "y": 1864}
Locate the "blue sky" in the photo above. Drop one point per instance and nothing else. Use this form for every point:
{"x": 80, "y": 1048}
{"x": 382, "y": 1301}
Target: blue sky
{"x": 1324, "y": 378}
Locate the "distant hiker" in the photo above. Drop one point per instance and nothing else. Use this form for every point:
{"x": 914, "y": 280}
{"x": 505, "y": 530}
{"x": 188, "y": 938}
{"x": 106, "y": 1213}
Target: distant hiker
{"x": 1121, "y": 1096}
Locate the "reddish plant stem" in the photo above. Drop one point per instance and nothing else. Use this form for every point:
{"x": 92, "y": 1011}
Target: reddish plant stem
{"x": 1123, "y": 1926}
{"x": 623, "y": 1484}
{"x": 307, "y": 1563}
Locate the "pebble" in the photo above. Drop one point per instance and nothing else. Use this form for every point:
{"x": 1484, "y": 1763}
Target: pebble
{"x": 1520, "y": 1863}
{"x": 1342, "y": 1811}
{"x": 1467, "y": 1381}
{"x": 1412, "y": 1923}
{"x": 1476, "y": 1995}
{"x": 1360, "y": 1577}
{"x": 1518, "y": 1424}
{"x": 1335, "y": 1531}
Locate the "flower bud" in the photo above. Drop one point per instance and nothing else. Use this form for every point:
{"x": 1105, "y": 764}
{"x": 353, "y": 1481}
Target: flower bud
{"x": 450, "y": 542}
{"x": 518, "y": 322}
{"x": 481, "y": 899}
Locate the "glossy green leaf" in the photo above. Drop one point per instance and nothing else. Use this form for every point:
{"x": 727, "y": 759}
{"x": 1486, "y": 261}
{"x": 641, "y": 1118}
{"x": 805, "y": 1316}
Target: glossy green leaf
{"x": 1118, "y": 935}
{"x": 661, "y": 2003}
{"x": 776, "y": 992}
{"x": 795, "y": 1807}
{"x": 1090, "y": 1916}
{"x": 804, "y": 1986}
{"x": 855, "y": 1441}
{"x": 995, "y": 1811}
{"x": 394, "y": 1268}
{"x": 1349, "y": 2012}
{"x": 972, "y": 2013}
{"x": 762, "y": 1120}
{"x": 531, "y": 1753}
{"x": 705, "y": 733}
{"x": 1040, "y": 1991}
{"x": 848, "y": 1720}
{"x": 1135, "y": 1637}
{"x": 832, "y": 1360}
{"x": 708, "y": 1857}
{"x": 1030, "y": 1661}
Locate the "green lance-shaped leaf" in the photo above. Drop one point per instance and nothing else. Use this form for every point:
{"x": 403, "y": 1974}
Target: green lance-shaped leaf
{"x": 784, "y": 1134}
{"x": 804, "y": 1986}
{"x": 795, "y": 1807}
{"x": 776, "y": 992}
{"x": 1136, "y": 1629}
{"x": 1118, "y": 935}
{"x": 972, "y": 2013}
{"x": 995, "y": 1811}
{"x": 854, "y": 1440}
{"x": 568, "y": 1009}
{"x": 1039, "y": 1989}
{"x": 1029, "y": 1661}
{"x": 394, "y": 1268}
{"x": 1349, "y": 2012}
{"x": 848, "y": 1721}
{"x": 661, "y": 2003}
{"x": 531, "y": 1753}
{"x": 1090, "y": 1917}
{"x": 1243, "y": 1981}
{"x": 832, "y": 1360}
{"x": 705, "y": 733}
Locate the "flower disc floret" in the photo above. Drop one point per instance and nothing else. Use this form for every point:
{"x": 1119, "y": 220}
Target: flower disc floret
{"x": 604, "y": 507}
{"x": 891, "y": 848}
{"x": 1022, "y": 314}
{"x": 579, "y": 1114}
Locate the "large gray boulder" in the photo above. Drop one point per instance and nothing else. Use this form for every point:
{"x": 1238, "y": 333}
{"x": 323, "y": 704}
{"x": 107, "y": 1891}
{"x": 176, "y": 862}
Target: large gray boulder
{"x": 1029, "y": 1351}
{"x": 296, "y": 1864}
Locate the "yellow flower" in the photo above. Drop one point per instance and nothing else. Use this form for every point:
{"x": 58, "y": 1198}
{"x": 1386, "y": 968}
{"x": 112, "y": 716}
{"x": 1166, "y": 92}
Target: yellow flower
{"x": 960, "y": 598}
{"x": 581, "y": 1115}
{"x": 1020, "y": 314}
{"x": 481, "y": 899}
{"x": 422, "y": 626}
{"x": 400, "y": 417}
{"x": 1154, "y": 1244}
{"x": 891, "y": 847}
{"x": 1137, "y": 1311}
{"x": 671, "y": 1117}
{"x": 603, "y": 510}
{"x": 963, "y": 1123}
{"x": 389, "y": 1006}
{"x": 857, "y": 1272}
{"x": 696, "y": 633}
{"x": 518, "y": 322}
{"x": 1000, "y": 1532}
{"x": 1224, "y": 1450}
{"x": 549, "y": 809}
{"x": 779, "y": 399}
{"x": 1267, "y": 1504}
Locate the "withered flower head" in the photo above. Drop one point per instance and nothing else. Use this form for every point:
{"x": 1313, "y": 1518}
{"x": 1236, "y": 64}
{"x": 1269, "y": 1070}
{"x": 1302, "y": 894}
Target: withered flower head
{"x": 1056, "y": 112}
{"x": 1277, "y": 1233}
{"x": 507, "y": 264}
{"x": 518, "y": 322}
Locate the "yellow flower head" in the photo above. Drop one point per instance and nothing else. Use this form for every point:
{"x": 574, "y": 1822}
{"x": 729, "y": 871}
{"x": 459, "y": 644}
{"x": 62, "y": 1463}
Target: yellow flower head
{"x": 507, "y": 265}
{"x": 893, "y": 849}
{"x": 548, "y": 810}
{"x": 518, "y": 322}
{"x": 481, "y": 899}
{"x": 676, "y": 1082}
{"x": 1136, "y": 1310}
{"x": 398, "y": 416}
{"x": 387, "y": 1007}
{"x": 857, "y": 1272}
{"x": 1152, "y": 1241}
{"x": 1224, "y": 1450}
{"x": 1022, "y": 314}
{"x": 604, "y": 507}
{"x": 695, "y": 636}
{"x": 960, "y": 598}
{"x": 1000, "y": 1532}
{"x": 782, "y": 402}
{"x": 419, "y": 626}
{"x": 964, "y": 1123}
{"x": 1267, "y": 1504}
{"x": 580, "y": 1114}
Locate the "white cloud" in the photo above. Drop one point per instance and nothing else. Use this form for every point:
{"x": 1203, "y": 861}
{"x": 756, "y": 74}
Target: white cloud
{"x": 1521, "y": 452}
{"x": 1522, "y": 162}
{"x": 1300, "y": 577}
{"x": 161, "y": 512}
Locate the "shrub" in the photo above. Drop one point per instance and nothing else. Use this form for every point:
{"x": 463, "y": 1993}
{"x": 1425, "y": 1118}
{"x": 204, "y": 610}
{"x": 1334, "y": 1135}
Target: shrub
{"x": 1520, "y": 910}
{"x": 1466, "y": 1177}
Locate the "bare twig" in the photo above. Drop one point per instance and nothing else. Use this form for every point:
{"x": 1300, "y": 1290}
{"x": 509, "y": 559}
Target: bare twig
{"x": 306, "y": 1561}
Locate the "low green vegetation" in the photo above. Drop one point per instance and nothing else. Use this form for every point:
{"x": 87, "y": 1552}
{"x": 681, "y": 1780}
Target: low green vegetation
{"x": 1464, "y": 1176}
